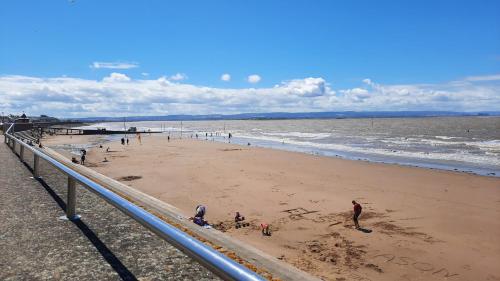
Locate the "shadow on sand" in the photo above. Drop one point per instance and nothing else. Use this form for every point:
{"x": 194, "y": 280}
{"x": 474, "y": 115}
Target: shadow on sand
{"x": 365, "y": 230}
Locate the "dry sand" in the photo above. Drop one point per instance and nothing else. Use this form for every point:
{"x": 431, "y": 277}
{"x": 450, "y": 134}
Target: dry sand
{"x": 425, "y": 224}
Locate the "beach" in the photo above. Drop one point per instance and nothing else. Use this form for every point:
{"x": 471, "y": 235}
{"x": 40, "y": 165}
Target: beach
{"x": 417, "y": 223}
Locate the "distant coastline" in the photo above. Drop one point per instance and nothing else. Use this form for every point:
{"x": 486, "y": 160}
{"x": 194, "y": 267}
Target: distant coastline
{"x": 290, "y": 115}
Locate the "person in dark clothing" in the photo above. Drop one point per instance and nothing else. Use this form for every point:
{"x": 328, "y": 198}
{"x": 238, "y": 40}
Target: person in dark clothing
{"x": 200, "y": 211}
{"x": 199, "y": 217}
{"x": 82, "y": 159}
{"x": 127, "y": 141}
{"x": 357, "y": 212}
{"x": 123, "y": 141}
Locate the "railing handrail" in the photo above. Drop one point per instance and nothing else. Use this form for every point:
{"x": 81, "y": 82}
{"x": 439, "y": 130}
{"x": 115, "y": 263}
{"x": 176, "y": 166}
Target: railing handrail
{"x": 219, "y": 264}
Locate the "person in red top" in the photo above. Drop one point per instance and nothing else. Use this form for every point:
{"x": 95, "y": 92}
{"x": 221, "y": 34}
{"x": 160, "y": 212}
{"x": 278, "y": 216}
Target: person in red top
{"x": 357, "y": 212}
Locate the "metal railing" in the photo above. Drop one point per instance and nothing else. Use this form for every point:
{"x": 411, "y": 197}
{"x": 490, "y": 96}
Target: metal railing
{"x": 219, "y": 264}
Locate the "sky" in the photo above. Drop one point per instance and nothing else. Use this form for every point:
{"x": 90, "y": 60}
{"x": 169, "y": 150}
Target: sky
{"x": 78, "y": 58}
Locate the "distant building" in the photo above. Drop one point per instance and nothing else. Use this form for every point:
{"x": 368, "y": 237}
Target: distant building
{"x": 22, "y": 119}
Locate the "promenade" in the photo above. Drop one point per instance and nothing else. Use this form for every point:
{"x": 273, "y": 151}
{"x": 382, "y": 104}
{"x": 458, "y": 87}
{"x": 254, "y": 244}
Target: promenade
{"x": 35, "y": 244}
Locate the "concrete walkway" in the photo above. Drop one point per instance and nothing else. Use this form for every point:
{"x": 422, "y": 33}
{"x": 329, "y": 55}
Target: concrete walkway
{"x": 104, "y": 245}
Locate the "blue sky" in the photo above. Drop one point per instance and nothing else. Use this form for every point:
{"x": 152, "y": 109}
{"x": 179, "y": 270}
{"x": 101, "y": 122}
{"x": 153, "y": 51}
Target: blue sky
{"x": 425, "y": 44}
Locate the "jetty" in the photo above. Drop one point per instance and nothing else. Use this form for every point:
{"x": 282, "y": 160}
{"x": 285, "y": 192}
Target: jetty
{"x": 100, "y": 131}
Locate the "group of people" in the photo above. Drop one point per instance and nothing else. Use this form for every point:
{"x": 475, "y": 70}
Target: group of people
{"x": 239, "y": 220}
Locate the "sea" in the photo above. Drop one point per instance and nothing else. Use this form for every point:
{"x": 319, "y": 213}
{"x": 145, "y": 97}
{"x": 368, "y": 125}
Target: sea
{"x": 466, "y": 144}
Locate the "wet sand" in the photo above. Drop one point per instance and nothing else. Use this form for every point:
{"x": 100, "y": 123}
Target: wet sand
{"x": 420, "y": 224}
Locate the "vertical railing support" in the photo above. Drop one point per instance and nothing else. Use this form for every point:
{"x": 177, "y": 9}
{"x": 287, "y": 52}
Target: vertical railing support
{"x": 36, "y": 164}
{"x": 71, "y": 202}
{"x": 21, "y": 153}
{"x": 14, "y": 146}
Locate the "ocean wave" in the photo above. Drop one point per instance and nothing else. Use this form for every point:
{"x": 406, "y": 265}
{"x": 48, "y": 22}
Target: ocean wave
{"x": 458, "y": 155}
{"x": 300, "y": 135}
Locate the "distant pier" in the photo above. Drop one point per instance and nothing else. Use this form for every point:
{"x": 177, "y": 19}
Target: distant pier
{"x": 76, "y": 131}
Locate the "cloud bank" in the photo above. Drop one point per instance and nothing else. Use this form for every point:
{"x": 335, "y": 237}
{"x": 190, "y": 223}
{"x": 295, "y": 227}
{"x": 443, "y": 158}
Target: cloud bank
{"x": 118, "y": 95}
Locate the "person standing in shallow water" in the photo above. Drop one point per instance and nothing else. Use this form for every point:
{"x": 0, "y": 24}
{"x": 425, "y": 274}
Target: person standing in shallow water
{"x": 357, "y": 212}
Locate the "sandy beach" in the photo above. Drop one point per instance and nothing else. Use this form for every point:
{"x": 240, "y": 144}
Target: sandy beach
{"x": 419, "y": 224}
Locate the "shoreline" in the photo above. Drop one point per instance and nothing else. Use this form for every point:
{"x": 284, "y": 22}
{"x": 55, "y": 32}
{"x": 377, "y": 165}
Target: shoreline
{"x": 403, "y": 161}
{"x": 281, "y": 188}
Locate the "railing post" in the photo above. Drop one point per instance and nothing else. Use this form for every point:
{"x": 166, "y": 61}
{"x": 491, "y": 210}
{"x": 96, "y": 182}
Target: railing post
{"x": 14, "y": 146}
{"x": 71, "y": 202}
{"x": 21, "y": 152}
{"x": 36, "y": 164}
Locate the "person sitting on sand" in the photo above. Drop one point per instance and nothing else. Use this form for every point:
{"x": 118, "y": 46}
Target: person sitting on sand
{"x": 238, "y": 217}
{"x": 200, "y": 211}
{"x": 107, "y": 149}
{"x": 199, "y": 216}
{"x": 265, "y": 229}
{"x": 357, "y": 212}
{"x": 239, "y": 220}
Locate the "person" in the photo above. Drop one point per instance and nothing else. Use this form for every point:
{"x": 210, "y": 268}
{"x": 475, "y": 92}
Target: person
{"x": 200, "y": 211}
{"x": 357, "y": 212}
{"x": 199, "y": 216}
{"x": 168, "y": 138}
{"x": 127, "y": 141}
{"x": 238, "y": 217}
{"x": 123, "y": 141}
{"x": 239, "y": 220}
{"x": 265, "y": 229}
{"x": 82, "y": 159}
{"x": 107, "y": 149}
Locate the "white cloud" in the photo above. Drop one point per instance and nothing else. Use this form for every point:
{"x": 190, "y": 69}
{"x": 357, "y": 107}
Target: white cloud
{"x": 225, "y": 77}
{"x": 144, "y": 74}
{"x": 118, "y": 94}
{"x": 308, "y": 87}
{"x": 116, "y": 77}
{"x": 114, "y": 65}
{"x": 178, "y": 77}
{"x": 483, "y": 78}
{"x": 254, "y": 78}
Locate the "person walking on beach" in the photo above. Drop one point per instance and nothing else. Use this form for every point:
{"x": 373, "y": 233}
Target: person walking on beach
{"x": 123, "y": 141}
{"x": 127, "y": 141}
{"x": 82, "y": 159}
{"x": 357, "y": 212}
{"x": 168, "y": 138}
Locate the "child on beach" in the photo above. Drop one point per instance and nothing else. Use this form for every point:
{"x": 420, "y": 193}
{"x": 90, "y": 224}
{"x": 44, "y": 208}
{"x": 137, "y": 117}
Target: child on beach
{"x": 239, "y": 220}
{"x": 265, "y": 229}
